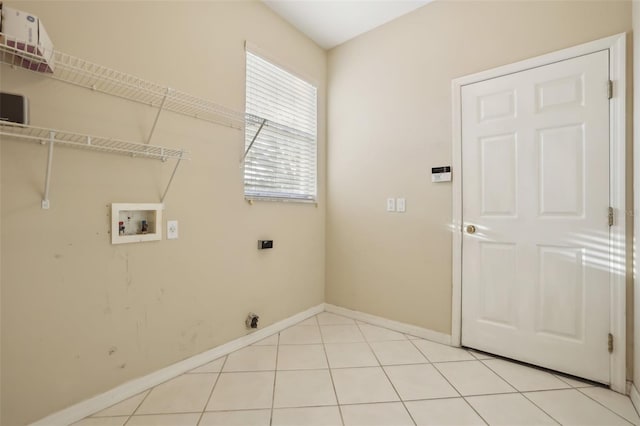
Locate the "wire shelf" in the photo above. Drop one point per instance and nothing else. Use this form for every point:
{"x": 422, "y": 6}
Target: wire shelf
{"x": 79, "y": 72}
{"x": 95, "y": 143}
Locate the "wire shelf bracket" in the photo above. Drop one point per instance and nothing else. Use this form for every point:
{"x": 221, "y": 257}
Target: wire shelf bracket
{"x": 53, "y": 138}
{"x": 264, "y": 121}
{"x": 47, "y": 181}
{"x": 155, "y": 122}
{"x": 175, "y": 169}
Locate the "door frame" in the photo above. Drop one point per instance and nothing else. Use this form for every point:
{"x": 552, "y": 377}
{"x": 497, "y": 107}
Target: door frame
{"x": 616, "y": 45}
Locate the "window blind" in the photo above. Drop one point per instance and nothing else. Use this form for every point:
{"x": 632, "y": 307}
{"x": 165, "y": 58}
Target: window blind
{"x": 281, "y": 163}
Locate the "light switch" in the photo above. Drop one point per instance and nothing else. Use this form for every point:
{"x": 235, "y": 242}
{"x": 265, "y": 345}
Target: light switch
{"x": 172, "y": 230}
{"x": 401, "y": 205}
{"x": 391, "y": 204}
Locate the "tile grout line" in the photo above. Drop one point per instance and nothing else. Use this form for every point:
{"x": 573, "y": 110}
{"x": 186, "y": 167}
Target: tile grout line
{"x": 540, "y": 408}
{"x": 464, "y": 398}
{"x": 149, "y": 390}
{"x": 423, "y": 354}
{"x": 281, "y": 343}
{"x": 93, "y": 416}
{"x": 563, "y": 379}
{"x": 451, "y": 384}
{"x": 457, "y": 360}
{"x": 215, "y": 382}
{"x": 320, "y": 406}
{"x": 387, "y": 376}
{"x": 363, "y": 366}
{"x": 333, "y": 384}
{"x": 473, "y": 358}
{"x": 548, "y": 390}
{"x": 500, "y": 376}
{"x": 138, "y": 406}
{"x": 522, "y": 393}
{"x": 275, "y": 375}
{"x": 556, "y": 374}
{"x": 598, "y": 402}
{"x": 528, "y": 367}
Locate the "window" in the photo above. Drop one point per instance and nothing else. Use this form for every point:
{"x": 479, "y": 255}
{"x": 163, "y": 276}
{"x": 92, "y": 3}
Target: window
{"x": 280, "y": 163}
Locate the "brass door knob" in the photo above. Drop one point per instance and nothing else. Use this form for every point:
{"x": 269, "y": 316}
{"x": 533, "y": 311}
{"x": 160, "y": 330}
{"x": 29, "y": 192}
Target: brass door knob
{"x": 471, "y": 229}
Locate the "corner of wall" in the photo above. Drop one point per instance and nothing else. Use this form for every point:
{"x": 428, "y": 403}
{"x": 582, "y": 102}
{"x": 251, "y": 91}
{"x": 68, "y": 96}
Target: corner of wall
{"x": 636, "y": 193}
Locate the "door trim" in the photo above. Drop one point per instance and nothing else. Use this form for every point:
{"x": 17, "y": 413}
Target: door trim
{"x": 616, "y": 45}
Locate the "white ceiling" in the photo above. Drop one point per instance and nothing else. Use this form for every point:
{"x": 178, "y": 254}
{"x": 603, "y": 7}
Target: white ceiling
{"x": 332, "y": 22}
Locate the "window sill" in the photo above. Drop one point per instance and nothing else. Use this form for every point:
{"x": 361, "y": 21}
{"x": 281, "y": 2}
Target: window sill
{"x": 252, "y": 199}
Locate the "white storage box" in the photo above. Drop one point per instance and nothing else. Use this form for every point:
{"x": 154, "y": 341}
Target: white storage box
{"x": 24, "y": 31}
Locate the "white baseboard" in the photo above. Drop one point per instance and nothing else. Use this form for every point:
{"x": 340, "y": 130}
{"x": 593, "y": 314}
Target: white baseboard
{"x": 413, "y": 330}
{"x": 105, "y": 400}
{"x": 635, "y": 397}
{"x": 100, "y": 402}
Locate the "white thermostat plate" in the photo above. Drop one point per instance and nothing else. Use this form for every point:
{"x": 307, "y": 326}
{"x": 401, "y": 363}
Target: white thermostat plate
{"x": 441, "y": 174}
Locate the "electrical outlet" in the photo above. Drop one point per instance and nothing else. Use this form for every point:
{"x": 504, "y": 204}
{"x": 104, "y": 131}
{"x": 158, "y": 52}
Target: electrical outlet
{"x": 172, "y": 230}
{"x": 391, "y": 204}
{"x": 401, "y": 205}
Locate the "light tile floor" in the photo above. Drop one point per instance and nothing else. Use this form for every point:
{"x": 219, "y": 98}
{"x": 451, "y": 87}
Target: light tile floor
{"x": 332, "y": 370}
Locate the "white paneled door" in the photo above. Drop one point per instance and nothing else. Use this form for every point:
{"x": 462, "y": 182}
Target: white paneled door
{"x": 535, "y": 248}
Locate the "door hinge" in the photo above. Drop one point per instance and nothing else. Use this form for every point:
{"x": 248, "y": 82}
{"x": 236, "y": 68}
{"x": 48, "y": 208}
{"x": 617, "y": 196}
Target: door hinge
{"x": 610, "y": 216}
{"x": 610, "y": 89}
{"x": 610, "y": 343}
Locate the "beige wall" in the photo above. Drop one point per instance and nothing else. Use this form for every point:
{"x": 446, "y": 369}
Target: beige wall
{"x": 390, "y": 122}
{"x": 79, "y": 315}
